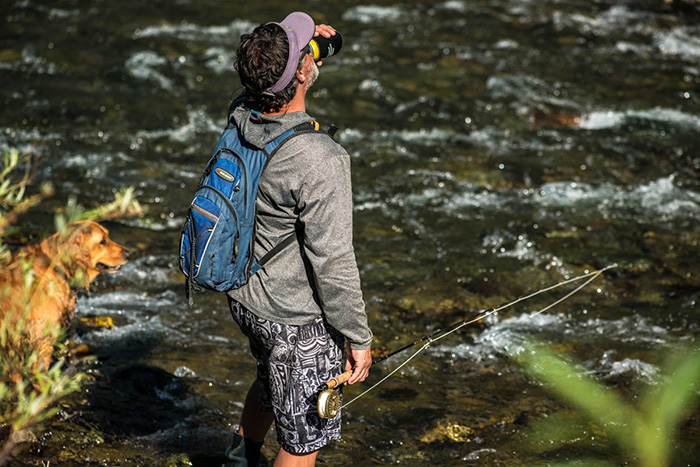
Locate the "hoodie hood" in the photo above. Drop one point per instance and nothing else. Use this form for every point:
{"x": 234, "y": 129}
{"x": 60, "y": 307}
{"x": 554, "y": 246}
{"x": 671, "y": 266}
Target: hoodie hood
{"x": 258, "y": 129}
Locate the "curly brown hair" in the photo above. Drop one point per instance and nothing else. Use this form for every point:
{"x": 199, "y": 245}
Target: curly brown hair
{"x": 260, "y": 61}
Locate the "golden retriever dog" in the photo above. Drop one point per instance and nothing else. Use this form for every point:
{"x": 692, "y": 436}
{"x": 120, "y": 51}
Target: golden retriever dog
{"x": 36, "y": 285}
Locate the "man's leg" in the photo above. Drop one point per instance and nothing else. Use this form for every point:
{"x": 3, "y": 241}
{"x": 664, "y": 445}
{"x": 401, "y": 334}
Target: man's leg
{"x": 254, "y": 422}
{"x": 286, "y": 459}
{"x": 254, "y": 425}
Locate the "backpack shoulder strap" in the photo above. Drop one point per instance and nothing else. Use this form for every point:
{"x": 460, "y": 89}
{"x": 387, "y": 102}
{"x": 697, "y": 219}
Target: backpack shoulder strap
{"x": 303, "y": 128}
{"x": 286, "y": 241}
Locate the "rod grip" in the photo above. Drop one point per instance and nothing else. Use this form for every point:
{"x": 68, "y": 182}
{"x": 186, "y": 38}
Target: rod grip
{"x": 338, "y": 380}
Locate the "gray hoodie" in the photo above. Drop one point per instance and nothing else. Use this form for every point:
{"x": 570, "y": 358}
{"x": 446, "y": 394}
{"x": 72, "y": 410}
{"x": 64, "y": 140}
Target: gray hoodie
{"x": 307, "y": 184}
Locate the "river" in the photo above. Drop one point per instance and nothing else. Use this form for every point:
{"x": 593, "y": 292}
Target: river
{"x": 497, "y": 147}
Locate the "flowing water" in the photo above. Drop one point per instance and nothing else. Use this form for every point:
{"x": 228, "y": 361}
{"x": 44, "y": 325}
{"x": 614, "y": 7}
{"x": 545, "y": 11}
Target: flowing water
{"x": 497, "y": 147}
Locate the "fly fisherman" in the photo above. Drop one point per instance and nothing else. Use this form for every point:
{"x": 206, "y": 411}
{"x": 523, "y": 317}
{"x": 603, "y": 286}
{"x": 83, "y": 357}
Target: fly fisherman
{"x": 301, "y": 308}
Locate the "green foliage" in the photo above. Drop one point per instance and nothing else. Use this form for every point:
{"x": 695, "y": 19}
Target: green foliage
{"x": 28, "y": 403}
{"x": 13, "y": 201}
{"x": 643, "y": 432}
{"x": 124, "y": 204}
{"x": 29, "y": 393}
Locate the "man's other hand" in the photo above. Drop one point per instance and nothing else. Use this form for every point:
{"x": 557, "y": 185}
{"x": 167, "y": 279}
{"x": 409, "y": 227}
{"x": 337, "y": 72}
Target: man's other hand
{"x": 360, "y": 360}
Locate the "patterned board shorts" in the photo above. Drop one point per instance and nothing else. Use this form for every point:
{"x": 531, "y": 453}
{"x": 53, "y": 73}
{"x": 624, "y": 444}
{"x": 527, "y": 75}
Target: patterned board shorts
{"x": 292, "y": 362}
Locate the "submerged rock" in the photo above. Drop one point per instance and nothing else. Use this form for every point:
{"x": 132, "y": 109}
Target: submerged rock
{"x": 105, "y": 322}
{"x": 447, "y": 430}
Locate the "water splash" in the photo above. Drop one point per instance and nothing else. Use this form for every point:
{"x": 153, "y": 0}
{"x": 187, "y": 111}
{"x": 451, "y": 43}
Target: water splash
{"x": 609, "y": 368}
{"x": 30, "y": 63}
{"x": 194, "y": 32}
{"x": 683, "y": 42}
{"x": 507, "y": 337}
{"x": 145, "y": 66}
{"x": 599, "y": 120}
{"x": 369, "y": 14}
{"x": 198, "y": 122}
{"x": 659, "y": 200}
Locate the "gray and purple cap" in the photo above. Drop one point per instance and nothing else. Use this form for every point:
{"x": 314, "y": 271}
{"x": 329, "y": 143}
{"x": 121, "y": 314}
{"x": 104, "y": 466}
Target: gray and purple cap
{"x": 300, "y": 29}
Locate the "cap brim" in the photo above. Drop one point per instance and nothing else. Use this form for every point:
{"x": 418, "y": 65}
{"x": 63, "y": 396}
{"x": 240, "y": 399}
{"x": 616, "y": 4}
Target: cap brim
{"x": 299, "y": 28}
{"x": 302, "y": 27}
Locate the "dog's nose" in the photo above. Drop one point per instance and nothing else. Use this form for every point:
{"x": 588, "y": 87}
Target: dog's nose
{"x": 126, "y": 254}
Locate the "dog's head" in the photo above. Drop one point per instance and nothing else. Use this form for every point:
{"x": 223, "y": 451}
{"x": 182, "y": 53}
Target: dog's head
{"x": 87, "y": 250}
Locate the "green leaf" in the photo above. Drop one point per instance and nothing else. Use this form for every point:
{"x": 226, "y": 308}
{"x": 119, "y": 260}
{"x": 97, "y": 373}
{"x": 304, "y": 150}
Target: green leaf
{"x": 676, "y": 398}
{"x": 60, "y": 222}
{"x": 602, "y": 405}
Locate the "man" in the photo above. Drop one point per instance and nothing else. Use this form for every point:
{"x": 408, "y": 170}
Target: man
{"x": 300, "y": 308}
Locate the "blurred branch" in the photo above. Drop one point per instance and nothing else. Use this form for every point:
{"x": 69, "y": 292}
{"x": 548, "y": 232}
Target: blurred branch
{"x": 124, "y": 205}
{"x": 12, "y": 192}
{"x": 30, "y": 404}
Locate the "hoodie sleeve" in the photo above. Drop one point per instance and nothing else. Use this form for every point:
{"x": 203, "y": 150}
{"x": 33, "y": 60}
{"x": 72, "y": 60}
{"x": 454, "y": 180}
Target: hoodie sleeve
{"x": 325, "y": 204}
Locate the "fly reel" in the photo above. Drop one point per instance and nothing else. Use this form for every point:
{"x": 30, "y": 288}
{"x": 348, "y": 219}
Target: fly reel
{"x": 329, "y": 400}
{"x": 328, "y": 403}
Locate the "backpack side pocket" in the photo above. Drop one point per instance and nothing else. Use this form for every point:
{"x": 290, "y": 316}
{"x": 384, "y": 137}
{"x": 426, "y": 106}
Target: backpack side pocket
{"x": 202, "y": 221}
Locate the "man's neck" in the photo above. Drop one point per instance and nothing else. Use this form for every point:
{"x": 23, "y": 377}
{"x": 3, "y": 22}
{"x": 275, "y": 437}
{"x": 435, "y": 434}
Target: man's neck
{"x": 297, "y": 104}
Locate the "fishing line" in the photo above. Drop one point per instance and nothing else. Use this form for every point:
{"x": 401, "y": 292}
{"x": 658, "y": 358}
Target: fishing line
{"x": 329, "y": 404}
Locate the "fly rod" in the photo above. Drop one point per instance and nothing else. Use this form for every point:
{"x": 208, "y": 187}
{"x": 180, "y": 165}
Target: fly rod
{"x": 329, "y": 398}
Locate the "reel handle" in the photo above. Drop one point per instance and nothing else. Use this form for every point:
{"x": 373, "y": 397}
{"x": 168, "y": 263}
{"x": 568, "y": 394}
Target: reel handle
{"x": 338, "y": 380}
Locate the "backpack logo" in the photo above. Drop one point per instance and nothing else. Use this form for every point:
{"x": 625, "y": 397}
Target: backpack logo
{"x": 224, "y": 174}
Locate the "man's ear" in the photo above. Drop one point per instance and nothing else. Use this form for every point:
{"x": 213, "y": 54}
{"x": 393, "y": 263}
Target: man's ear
{"x": 301, "y": 75}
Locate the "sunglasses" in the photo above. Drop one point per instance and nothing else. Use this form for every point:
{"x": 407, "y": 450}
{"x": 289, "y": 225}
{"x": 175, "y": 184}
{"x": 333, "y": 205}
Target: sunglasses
{"x": 304, "y": 52}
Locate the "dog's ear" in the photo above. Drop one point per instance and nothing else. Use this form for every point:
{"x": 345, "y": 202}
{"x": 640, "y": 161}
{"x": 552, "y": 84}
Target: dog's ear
{"x": 53, "y": 244}
{"x": 77, "y": 263}
{"x": 73, "y": 248}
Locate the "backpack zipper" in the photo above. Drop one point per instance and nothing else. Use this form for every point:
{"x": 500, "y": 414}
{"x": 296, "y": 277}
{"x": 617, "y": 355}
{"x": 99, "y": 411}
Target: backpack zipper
{"x": 245, "y": 176}
{"x": 226, "y": 200}
{"x": 203, "y": 212}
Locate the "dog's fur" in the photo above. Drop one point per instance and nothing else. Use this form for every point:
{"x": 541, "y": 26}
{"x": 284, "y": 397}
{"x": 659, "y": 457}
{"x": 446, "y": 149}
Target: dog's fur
{"x": 55, "y": 264}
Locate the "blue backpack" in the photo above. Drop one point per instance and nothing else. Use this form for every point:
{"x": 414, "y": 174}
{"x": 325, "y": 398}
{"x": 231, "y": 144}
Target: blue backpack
{"x": 217, "y": 239}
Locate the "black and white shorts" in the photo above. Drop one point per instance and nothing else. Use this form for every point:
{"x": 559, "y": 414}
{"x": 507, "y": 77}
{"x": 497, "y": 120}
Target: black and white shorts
{"x": 292, "y": 362}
